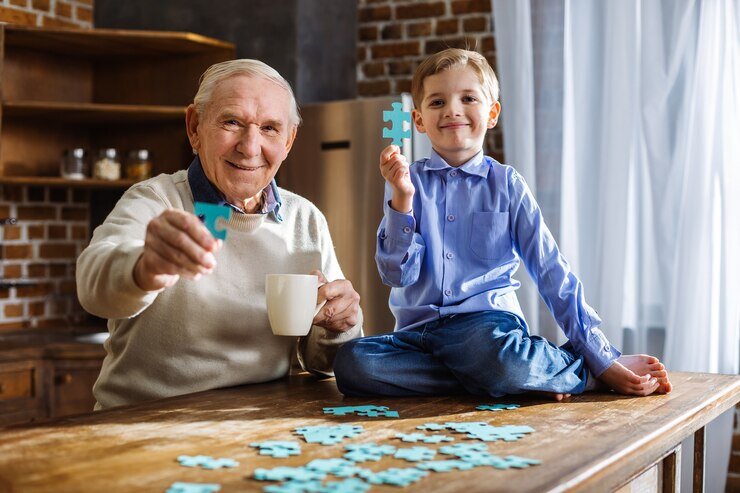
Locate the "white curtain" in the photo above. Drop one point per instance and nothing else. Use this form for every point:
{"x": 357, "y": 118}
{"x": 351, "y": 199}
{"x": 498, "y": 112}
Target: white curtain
{"x": 649, "y": 168}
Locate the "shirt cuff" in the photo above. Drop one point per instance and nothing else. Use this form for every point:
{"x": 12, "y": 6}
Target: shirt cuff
{"x": 399, "y": 226}
{"x": 598, "y": 353}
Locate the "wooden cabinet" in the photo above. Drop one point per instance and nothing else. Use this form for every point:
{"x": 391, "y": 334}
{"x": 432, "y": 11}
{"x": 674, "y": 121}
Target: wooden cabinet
{"x": 21, "y": 391}
{"x": 70, "y": 389}
{"x": 95, "y": 89}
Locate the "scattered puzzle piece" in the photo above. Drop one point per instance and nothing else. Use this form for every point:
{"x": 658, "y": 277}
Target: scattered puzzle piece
{"x": 497, "y": 407}
{"x": 394, "y": 476}
{"x": 363, "y": 452}
{"x": 397, "y": 117}
{"x": 431, "y": 427}
{"x": 284, "y": 473}
{"x": 295, "y": 487}
{"x": 277, "y": 448}
{"x": 341, "y": 468}
{"x": 328, "y": 435}
{"x": 205, "y": 462}
{"x": 353, "y": 485}
{"x": 415, "y": 454}
{"x": 370, "y": 410}
{"x": 209, "y": 214}
{"x": 487, "y": 433}
{"x": 521, "y": 462}
{"x": 180, "y": 487}
{"x": 421, "y": 437}
{"x": 445, "y": 465}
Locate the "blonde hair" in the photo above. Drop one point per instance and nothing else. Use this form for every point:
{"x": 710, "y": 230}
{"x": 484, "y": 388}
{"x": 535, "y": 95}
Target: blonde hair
{"x": 454, "y": 57}
{"x": 244, "y": 66}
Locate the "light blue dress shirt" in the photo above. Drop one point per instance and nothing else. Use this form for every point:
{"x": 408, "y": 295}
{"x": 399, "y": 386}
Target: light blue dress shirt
{"x": 459, "y": 248}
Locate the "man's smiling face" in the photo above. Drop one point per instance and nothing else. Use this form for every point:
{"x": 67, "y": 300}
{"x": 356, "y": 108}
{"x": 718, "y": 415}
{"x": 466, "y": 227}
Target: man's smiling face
{"x": 243, "y": 136}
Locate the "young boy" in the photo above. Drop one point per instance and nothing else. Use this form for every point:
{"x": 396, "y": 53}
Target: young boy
{"x": 454, "y": 230}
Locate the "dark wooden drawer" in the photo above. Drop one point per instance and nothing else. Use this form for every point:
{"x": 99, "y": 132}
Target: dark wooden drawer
{"x": 72, "y": 385}
{"x": 21, "y": 391}
{"x": 17, "y": 380}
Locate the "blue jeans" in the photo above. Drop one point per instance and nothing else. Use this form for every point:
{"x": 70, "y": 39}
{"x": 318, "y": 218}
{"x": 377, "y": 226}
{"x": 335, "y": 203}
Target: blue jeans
{"x": 486, "y": 353}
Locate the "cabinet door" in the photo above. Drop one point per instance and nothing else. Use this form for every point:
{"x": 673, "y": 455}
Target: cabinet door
{"x": 21, "y": 392}
{"x": 72, "y": 385}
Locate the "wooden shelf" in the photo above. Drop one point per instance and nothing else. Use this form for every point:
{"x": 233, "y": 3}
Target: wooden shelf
{"x": 66, "y": 112}
{"x": 58, "y": 182}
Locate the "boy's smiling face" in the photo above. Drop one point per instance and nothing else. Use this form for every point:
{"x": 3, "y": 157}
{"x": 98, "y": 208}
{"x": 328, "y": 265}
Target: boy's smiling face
{"x": 455, "y": 113}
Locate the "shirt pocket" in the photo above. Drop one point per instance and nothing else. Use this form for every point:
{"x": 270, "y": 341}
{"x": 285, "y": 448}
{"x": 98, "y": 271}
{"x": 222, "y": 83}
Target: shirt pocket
{"x": 489, "y": 235}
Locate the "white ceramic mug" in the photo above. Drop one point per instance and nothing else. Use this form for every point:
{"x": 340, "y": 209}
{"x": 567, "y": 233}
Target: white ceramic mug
{"x": 291, "y": 303}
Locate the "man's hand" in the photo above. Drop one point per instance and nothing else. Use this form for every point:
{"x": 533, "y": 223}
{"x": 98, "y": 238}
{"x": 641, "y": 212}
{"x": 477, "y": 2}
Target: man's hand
{"x": 340, "y": 312}
{"x": 395, "y": 170}
{"x": 177, "y": 244}
{"x": 624, "y": 381}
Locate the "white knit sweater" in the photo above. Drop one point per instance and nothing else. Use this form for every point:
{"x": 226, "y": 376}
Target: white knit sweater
{"x": 210, "y": 333}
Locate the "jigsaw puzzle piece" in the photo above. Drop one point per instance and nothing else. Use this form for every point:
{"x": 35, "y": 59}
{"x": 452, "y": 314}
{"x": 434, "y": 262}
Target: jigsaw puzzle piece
{"x": 205, "y": 462}
{"x": 394, "y": 476}
{"x": 353, "y": 485}
{"x": 209, "y": 214}
{"x": 180, "y": 487}
{"x": 284, "y": 473}
{"x": 497, "y": 407}
{"x": 295, "y": 487}
{"x": 277, "y": 448}
{"x": 328, "y": 435}
{"x": 397, "y": 117}
{"x": 445, "y": 465}
{"x": 415, "y": 454}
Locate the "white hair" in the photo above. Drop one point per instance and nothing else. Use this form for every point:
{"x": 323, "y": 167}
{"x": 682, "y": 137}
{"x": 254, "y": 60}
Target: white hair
{"x": 243, "y": 66}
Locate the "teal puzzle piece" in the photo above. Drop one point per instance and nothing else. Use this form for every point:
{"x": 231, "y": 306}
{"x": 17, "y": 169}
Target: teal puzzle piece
{"x": 397, "y": 117}
{"x": 328, "y": 435}
{"x": 180, "y": 487}
{"x": 277, "y": 448}
{"x": 394, "y": 476}
{"x": 369, "y": 411}
{"x": 497, "y": 407}
{"x": 415, "y": 454}
{"x": 209, "y": 214}
{"x": 205, "y": 462}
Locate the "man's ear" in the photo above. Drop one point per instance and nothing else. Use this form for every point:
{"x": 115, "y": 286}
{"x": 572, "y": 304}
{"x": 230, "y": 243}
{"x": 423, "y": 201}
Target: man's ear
{"x": 418, "y": 122}
{"x": 191, "y": 126}
{"x": 291, "y": 139}
{"x": 494, "y": 114}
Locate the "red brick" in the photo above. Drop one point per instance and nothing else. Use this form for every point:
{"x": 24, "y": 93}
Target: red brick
{"x": 41, "y": 289}
{"x": 476, "y": 24}
{"x": 63, "y": 9}
{"x": 74, "y": 213}
{"x": 79, "y": 232}
{"x": 371, "y": 14}
{"x": 19, "y": 3}
{"x": 419, "y": 29}
{"x": 402, "y": 85}
{"x": 59, "y": 307}
{"x": 37, "y": 270}
{"x": 12, "y": 193}
{"x": 4, "y": 293}
{"x": 373, "y": 69}
{"x": 13, "y": 311}
{"x": 59, "y": 195}
{"x": 12, "y": 271}
{"x": 86, "y": 2}
{"x": 361, "y": 54}
{"x": 396, "y": 50}
{"x": 374, "y": 88}
{"x": 68, "y": 287}
{"x": 36, "y": 212}
{"x": 392, "y": 31}
{"x": 43, "y": 5}
{"x": 4, "y": 211}
{"x": 17, "y": 251}
{"x": 36, "y": 309}
{"x": 57, "y": 231}
{"x": 11, "y": 326}
{"x": 13, "y": 16}
{"x": 58, "y": 250}
{"x": 11, "y": 232}
{"x": 58, "y": 270}
{"x": 471, "y": 6}
{"x": 36, "y": 232}
{"x": 488, "y": 44}
{"x": 447, "y": 26}
{"x": 368, "y": 33}
{"x": 83, "y": 14}
{"x": 735, "y": 462}
{"x": 401, "y": 67}
{"x": 47, "y": 21}
{"x": 419, "y": 10}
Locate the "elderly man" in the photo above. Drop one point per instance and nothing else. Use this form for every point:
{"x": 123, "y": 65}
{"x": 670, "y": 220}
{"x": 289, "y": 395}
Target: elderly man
{"x": 187, "y": 312}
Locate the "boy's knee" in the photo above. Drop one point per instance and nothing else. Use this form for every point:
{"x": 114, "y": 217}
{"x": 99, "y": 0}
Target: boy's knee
{"x": 349, "y": 366}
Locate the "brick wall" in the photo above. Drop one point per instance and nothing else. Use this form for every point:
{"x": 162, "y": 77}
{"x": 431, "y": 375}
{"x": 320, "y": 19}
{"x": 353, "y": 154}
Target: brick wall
{"x": 395, "y": 35}
{"x": 52, "y": 223}
{"x": 48, "y": 13}
{"x": 41, "y": 249}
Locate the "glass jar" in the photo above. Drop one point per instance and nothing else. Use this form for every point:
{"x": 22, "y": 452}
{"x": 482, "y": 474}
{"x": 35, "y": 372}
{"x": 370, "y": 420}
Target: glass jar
{"x": 108, "y": 165}
{"x": 74, "y": 164}
{"x": 139, "y": 165}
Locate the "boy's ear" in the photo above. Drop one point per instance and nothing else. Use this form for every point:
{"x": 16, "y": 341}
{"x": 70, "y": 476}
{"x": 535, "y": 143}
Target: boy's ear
{"x": 418, "y": 122}
{"x": 494, "y": 114}
{"x": 191, "y": 126}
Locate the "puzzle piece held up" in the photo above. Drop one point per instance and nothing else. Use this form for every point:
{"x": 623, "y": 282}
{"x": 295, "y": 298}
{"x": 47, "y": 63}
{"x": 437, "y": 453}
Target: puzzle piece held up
{"x": 209, "y": 214}
{"x": 277, "y": 448}
{"x": 397, "y": 117}
{"x": 205, "y": 462}
{"x": 180, "y": 487}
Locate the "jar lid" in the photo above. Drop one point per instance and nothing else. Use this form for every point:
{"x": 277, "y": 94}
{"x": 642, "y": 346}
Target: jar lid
{"x": 77, "y": 152}
{"x": 110, "y": 153}
{"x": 139, "y": 154}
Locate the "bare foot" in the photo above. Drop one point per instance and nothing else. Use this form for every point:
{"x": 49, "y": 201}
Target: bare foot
{"x": 553, "y": 396}
{"x": 643, "y": 364}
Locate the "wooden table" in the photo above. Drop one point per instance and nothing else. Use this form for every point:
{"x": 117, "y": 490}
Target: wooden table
{"x": 593, "y": 442}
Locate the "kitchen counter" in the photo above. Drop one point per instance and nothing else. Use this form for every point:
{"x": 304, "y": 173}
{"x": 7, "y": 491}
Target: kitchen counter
{"x": 591, "y": 442}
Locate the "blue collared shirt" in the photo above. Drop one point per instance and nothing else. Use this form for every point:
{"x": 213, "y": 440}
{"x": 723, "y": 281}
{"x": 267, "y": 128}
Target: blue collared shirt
{"x": 459, "y": 248}
{"x": 204, "y": 191}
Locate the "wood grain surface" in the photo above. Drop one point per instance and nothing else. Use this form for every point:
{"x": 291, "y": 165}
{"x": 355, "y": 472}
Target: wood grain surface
{"x": 592, "y": 442}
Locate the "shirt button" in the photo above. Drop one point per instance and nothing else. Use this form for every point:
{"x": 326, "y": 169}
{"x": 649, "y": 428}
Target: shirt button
{"x": 406, "y": 230}
{"x": 607, "y": 347}
{"x": 448, "y": 292}
{"x": 450, "y": 218}
{"x": 453, "y": 173}
{"x": 449, "y": 255}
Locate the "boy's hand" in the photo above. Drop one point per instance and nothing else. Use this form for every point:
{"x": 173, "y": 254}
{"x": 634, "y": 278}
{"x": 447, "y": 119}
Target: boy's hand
{"x": 624, "y": 381}
{"x": 395, "y": 170}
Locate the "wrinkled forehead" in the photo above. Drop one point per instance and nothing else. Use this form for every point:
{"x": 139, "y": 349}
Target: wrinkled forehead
{"x": 258, "y": 96}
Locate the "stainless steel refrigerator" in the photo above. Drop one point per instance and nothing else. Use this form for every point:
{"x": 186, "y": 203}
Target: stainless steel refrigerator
{"x": 334, "y": 163}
